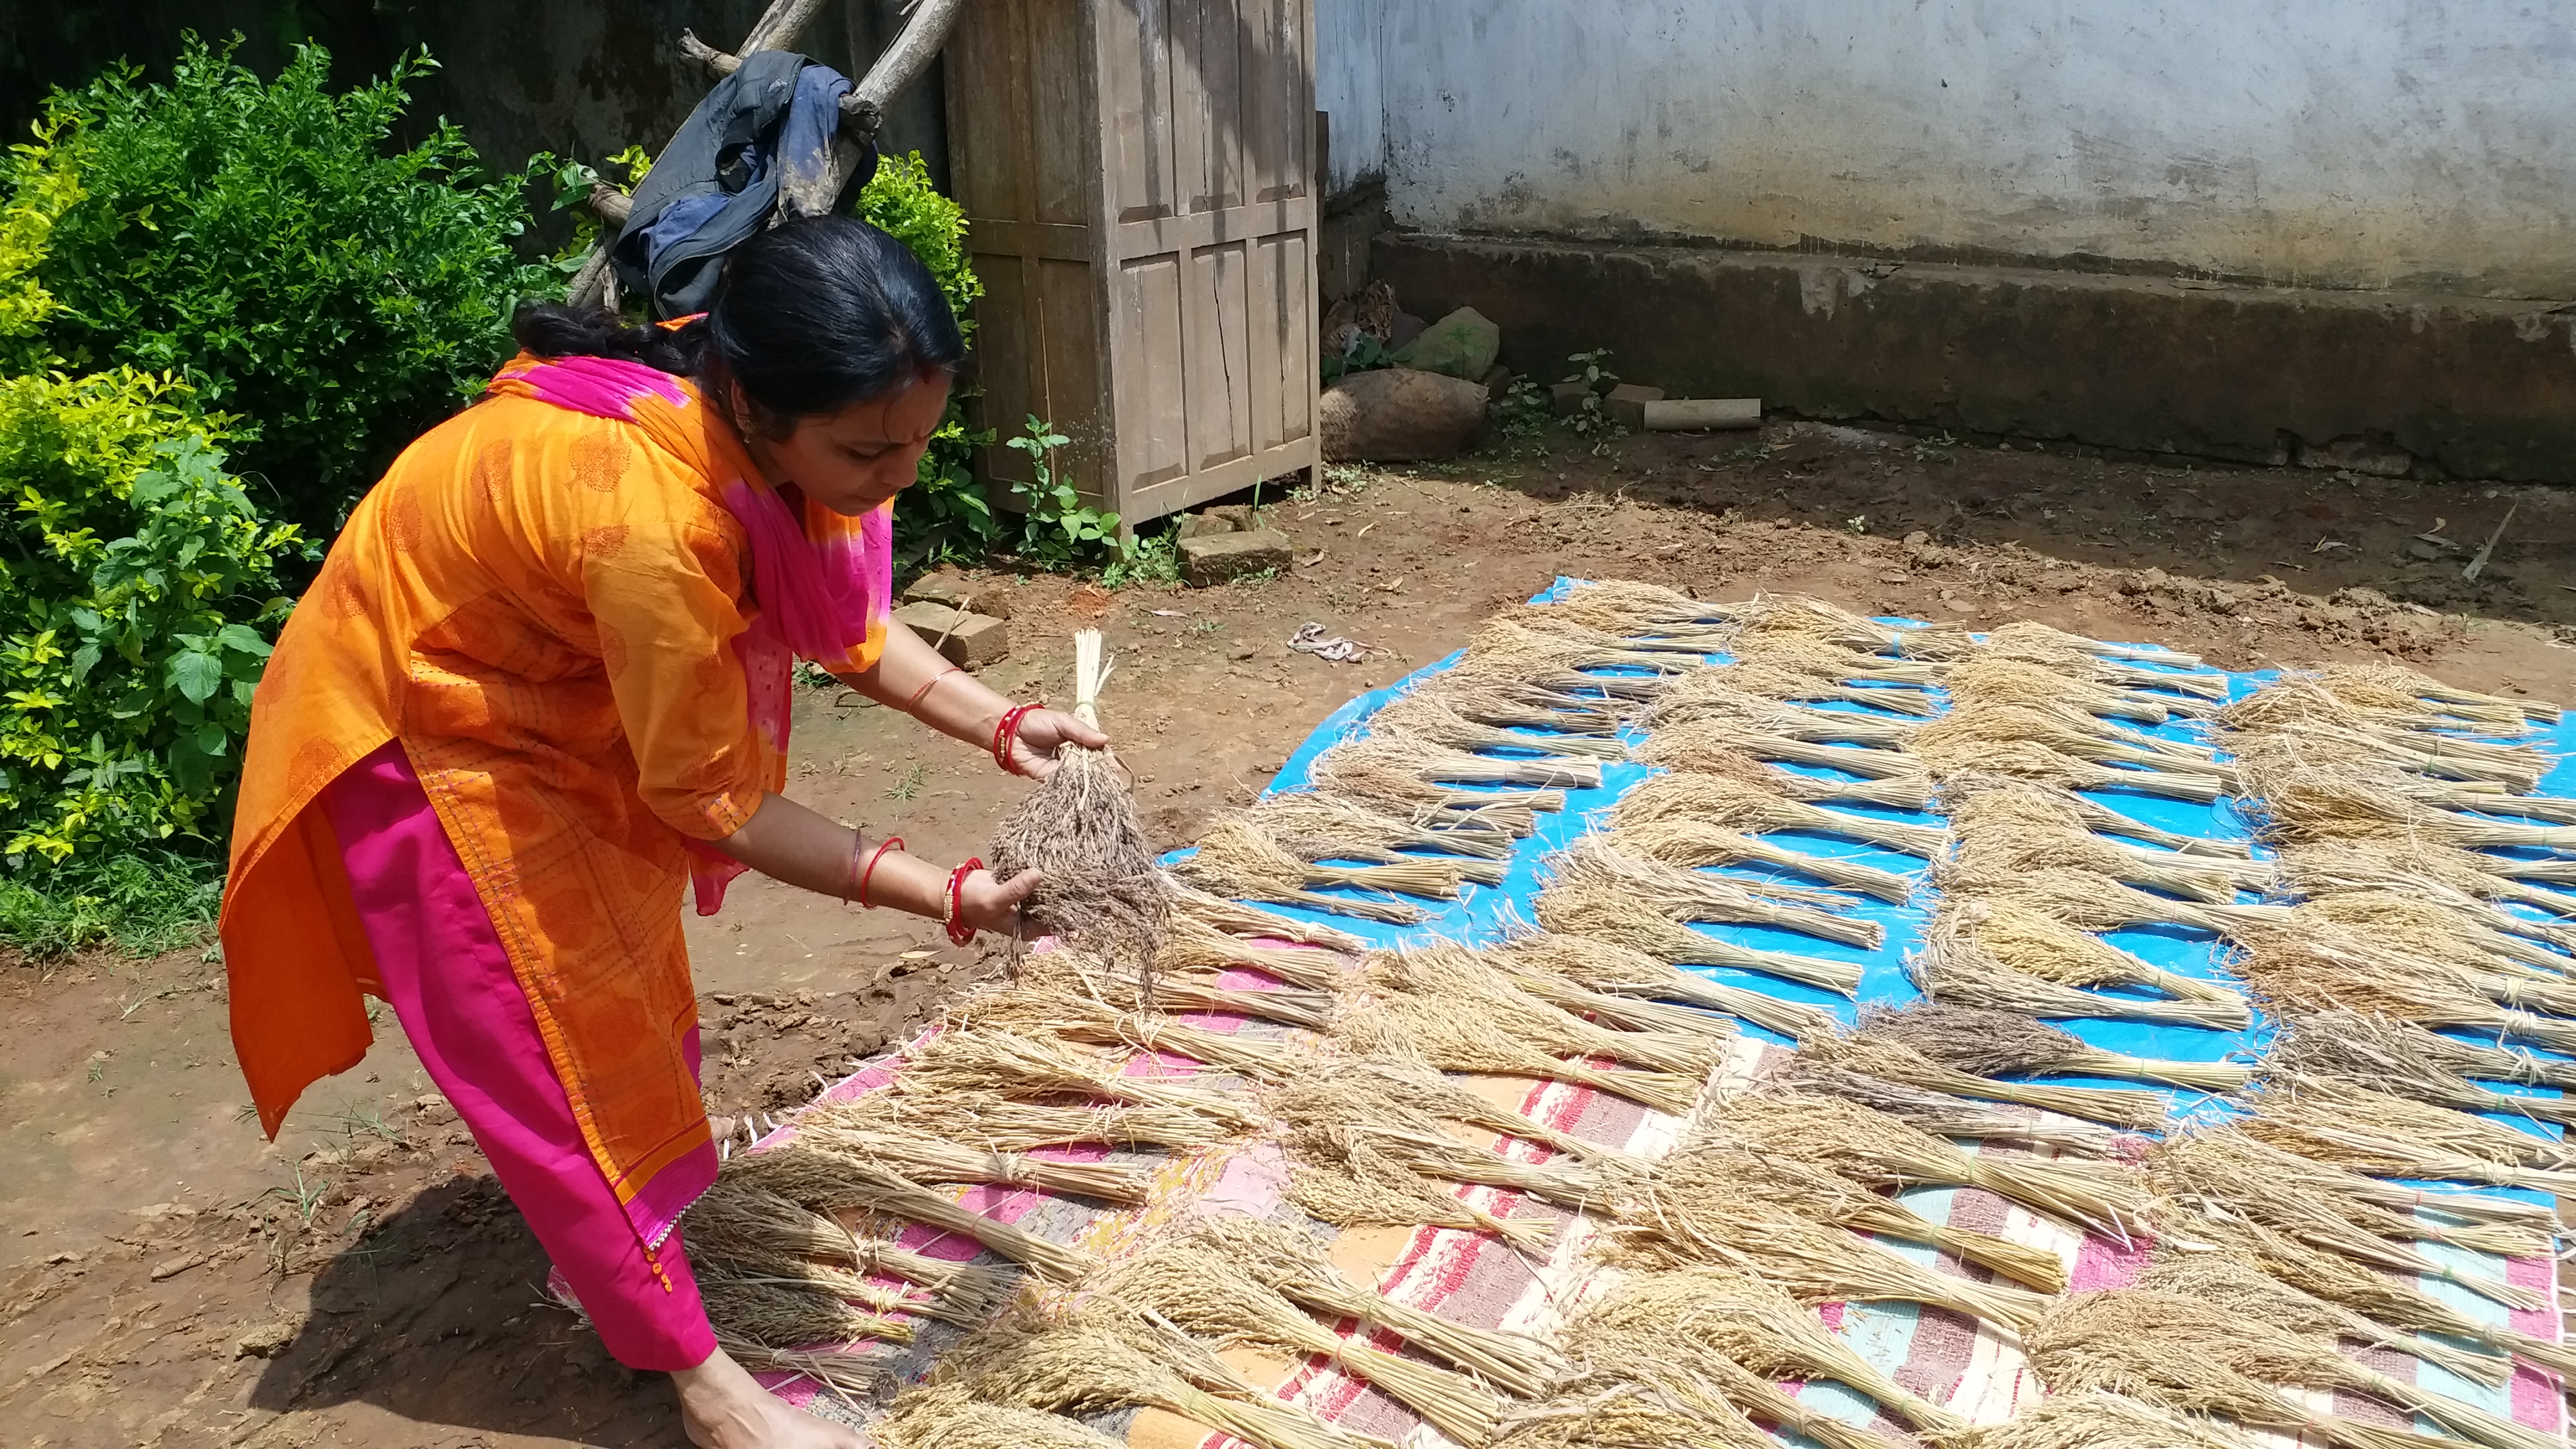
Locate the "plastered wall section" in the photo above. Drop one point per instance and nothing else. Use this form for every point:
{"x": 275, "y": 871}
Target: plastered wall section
{"x": 2416, "y": 144}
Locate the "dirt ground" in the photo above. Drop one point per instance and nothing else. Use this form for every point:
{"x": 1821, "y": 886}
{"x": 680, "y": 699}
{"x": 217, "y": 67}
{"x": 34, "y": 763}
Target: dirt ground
{"x": 167, "y": 1278}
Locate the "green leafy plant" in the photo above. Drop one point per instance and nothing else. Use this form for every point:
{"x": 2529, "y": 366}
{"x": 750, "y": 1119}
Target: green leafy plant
{"x": 1057, "y": 529}
{"x": 944, "y": 517}
{"x": 267, "y": 243}
{"x": 141, "y": 590}
{"x": 1591, "y": 419}
{"x": 574, "y": 182}
{"x": 1364, "y": 354}
{"x": 1148, "y": 559}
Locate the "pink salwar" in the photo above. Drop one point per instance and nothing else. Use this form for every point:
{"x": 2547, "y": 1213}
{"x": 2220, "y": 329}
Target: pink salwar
{"x": 449, "y": 981}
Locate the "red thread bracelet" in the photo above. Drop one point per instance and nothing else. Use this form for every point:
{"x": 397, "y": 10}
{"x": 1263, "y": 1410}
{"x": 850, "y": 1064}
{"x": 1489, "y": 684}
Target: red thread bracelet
{"x": 891, "y": 842}
{"x": 960, "y": 933}
{"x": 1007, "y": 734}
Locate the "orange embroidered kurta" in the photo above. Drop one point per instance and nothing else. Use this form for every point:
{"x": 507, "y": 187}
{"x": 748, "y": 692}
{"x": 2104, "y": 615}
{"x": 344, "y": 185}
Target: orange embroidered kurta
{"x": 553, "y": 611}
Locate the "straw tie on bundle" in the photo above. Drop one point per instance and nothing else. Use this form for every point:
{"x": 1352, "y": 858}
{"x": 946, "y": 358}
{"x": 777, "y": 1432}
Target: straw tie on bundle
{"x": 1079, "y": 827}
{"x": 1235, "y": 859}
{"x": 2096, "y": 1419}
{"x": 2180, "y": 1341}
{"x": 1880, "y": 1150}
{"x": 752, "y": 1226}
{"x": 1723, "y": 801}
{"x": 1203, "y": 1291}
{"x": 2238, "y": 1286}
{"x": 1318, "y": 816}
{"x": 2225, "y": 1174}
{"x": 1074, "y": 1368}
{"x": 1610, "y": 914}
{"x": 1689, "y": 895}
{"x": 1987, "y": 1043}
{"x": 1694, "y": 846}
{"x": 828, "y": 1182}
{"x": 1744, "y": 1322}
{"x": 1599, "y": 966}
{"x": 2402, "y": 1060}
{"x": 1943, "y": 1114}
{"x": 1663, "y": 1384}
{"x": 1876, "y": 1053}
{"x": 1717, "y": 1162}
{"x": 2385, "y": 1136}
{"x": 1963, "y": 963}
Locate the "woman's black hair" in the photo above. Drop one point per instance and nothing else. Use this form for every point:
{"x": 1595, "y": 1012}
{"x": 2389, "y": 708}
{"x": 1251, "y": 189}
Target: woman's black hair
{"x": 812, "y": 316}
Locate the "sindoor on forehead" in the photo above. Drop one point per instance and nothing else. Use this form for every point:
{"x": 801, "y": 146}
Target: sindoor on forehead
{"x": 1140, "y": 178}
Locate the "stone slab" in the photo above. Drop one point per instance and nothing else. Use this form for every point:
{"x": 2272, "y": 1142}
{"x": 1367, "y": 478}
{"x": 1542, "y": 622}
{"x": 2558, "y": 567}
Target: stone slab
{"x": 1218, "y": 558}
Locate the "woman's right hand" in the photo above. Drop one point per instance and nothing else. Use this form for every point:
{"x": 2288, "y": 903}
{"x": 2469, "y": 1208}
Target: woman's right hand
{"x": 989, "y": 903}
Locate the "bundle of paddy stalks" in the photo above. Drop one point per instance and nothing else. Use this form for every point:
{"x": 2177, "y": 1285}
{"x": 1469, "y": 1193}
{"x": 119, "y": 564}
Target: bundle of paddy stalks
{"x": 1695, "y": 846}
{"x": 1977, "y": 795}
{"x": 1403, "y": 1025}
{"x": 1319, "y": 816}
{"x": 1061, "y": 1364}
{"x": 1235, "y": 859}
{"x": 1598, "y": 966}
{"x": 1426, "y": 715}
{"x": 2096, "y": 902}
{"x": 1421, "y": 782}
{"x": 1569, "y": 649}
{"x": 2454, "y": 878}
{"x": 2015, "y": 825}
{"x": 2327, "y": 725}
{"x": 2361, "y": 1050}
{"x": 2031, "y": 760}
{"x": 802, "y": 1279}
{"x": 1074, "y": 972}
{"x": 1692, "y": 1315}
{"x": 1682, "y": 1390}
{"x": 2304, "y": 805}
{"x": 945, "y": 1416}
{"x": 2314, "y": 965}
{"x": 1821, "y": 659}
{"x": 2178, "y": 1340}
{"x": 2386, "y": 687}
{"x": 1944, "y": 1114}
{"x": 1562, "y": 624}
{"x": 1950, "y": 974}
{"x": 2371, "y": 1132}
{"x": 1993, "y": 679}
{"x": 784, "y": 1313}
{"x": 1716, "y": 697}
{"x": 1193, "y": 947}
{"x": 1735, "y": 804}
{"x": 1715, "y": 1162}
{"x": 2399, "y": 1056}
{"x": 1422, "y": 874}
{"x": 1234, "y": 918}
{"x": 1295, "y": 1265}
{"x": 828, "y": 1183}
{"x": 1080, "y": 829}
{"x": 1692, "y": 895}
{"x": 2210, "y": 1172}
{"x": 1203, "y": 1291}
{"x": 1610, "y": 914}
{"x": 997, "y": 1123}
{"x": 985, "y": 1060}
{"x": 2382, "y": 1296}
{"x": 1952, "y": 742}
{"x": 752, "y": 1225}
{"x": 1448, "y": 976}
{"x": 2031, "y": 642}
{"x": 2438, "y": 930}
{"x": 1496, "y": 698}
{"x": 1631, "y": 1407}
{"x": 2237, "y": 1285}
{"x": 1631, "y": 606}
{"x": 1804, "y": 616}
{"x": 2037, "y": 944}
{"x": 2096, "y": 1419}
{"x": 1875, "y": 1051}
{"x": 1879, "y": 1150}
{"x": 1418, "y": 1087}
{"x": 925, "y": 1158}
{"x": 2001, "y": 1043}
{"x": 1355, "y": 1178}
{"x": 1775, "y": 681}
{"x": 1623, "y": 1013}
{"x": 1076, "y": 1017}
{"x": 1713, "y": 1221}
{"x": 1716, "y": 747}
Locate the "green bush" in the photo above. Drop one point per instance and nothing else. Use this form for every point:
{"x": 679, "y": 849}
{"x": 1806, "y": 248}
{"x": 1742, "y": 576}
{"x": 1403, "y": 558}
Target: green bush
{"x": 139, "y": 589}
{"x": 265, "y": 243}
{"x": 945, "y": 517}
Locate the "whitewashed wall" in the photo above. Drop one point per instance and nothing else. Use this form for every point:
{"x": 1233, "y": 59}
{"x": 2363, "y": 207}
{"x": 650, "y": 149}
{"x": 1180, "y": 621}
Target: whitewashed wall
{"x": 2345, "y": 143}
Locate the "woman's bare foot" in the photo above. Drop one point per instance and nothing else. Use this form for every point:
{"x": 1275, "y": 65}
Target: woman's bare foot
{"x": 723, "y": 1407}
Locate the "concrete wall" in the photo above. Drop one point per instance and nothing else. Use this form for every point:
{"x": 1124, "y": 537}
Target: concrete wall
{"x": 2428, "y": 145}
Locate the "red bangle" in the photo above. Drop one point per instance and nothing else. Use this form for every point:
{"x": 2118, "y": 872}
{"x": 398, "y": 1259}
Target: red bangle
{"x": 959, "y": 933}
{"x": 891, "y": 842}
{"x": 1007, "y": 733}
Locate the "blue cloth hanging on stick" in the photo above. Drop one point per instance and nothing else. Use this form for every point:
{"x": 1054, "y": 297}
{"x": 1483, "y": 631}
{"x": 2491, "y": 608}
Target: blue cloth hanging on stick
{"x": 767, "y": 124}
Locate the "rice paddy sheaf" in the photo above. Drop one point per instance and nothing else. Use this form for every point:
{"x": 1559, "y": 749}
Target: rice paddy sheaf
{"x": 1670, "y": 1023}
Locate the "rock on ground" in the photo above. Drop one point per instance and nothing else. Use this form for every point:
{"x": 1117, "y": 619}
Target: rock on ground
{"x": 1401, "y": 414}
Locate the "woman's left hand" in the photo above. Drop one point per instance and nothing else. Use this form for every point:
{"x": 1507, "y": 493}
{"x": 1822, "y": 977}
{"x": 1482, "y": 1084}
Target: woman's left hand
{"x": 1043, "y": 732}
